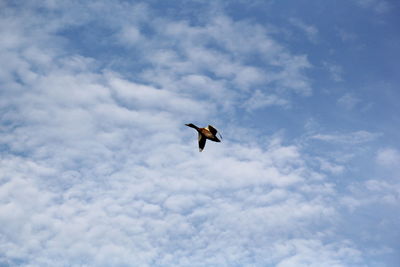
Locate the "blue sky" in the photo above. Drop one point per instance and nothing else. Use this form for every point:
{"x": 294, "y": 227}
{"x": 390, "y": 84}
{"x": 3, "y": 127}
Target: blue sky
{"x": 98, "y": 169}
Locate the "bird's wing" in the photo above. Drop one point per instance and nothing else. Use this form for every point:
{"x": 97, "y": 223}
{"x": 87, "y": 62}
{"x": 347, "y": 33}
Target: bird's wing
{"x": 212, "y": 130}
{"x": 202, "y": 142}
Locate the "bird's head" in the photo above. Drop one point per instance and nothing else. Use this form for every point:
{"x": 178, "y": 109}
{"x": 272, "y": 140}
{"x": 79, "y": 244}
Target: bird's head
{"x": 191, "y": 125}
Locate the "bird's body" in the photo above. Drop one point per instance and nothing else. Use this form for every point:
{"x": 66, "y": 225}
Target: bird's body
{"x": 208, "y": 132}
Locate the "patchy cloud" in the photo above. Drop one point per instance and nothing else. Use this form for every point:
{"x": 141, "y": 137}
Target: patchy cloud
{"x": 345, "y": 35}
{"x": 388, "y": 157}
{"x": 335, "y": 71}
{"x": 310, "y": 30}
{"x": 97, "y": 167}
{"x": 94, "y": 166}
{"x": 260, "y": 100}
{"x": 348, "y": 101}
{"x": 379, "y": 6}
{"x": 350, "y": 138}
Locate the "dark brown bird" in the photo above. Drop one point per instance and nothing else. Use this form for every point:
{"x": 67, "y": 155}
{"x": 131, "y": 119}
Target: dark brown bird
{"x": 208, "y": 132}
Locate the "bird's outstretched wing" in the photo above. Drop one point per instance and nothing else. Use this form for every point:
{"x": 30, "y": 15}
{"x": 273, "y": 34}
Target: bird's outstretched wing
{"x": 212, "y": 130}
{"x": 202, "y": 142}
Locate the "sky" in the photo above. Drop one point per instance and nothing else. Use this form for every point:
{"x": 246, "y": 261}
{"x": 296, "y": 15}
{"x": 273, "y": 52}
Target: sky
{"x": 98, "y": 169}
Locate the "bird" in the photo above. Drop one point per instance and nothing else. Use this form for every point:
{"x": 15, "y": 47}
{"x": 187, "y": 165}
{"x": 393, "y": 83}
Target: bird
{"x": 205, "y": 133}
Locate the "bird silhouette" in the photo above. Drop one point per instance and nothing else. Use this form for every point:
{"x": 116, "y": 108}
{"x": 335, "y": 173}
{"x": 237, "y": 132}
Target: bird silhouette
{"x": 208, "y": 132}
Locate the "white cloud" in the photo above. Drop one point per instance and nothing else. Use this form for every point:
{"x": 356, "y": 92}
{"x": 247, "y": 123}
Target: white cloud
{"x": 130, "y": 35}
{"x": 310, "y": 30}
{"x": 222, "y": 47}
{"x": 388, "y": 157}
{"x": 348, "y": 101}
{"x": 379, "y": 6}
{"x": 260, "y": 100}
{"x": 314, "y": 253}
{"x": 137, "y": 96}
{"x": 335, "y": 71}
{"x": 331, "y": 167}
{"x": 144, "y": 217}
{"x": 97, "y": 167}
{"x": 346, "y": 35}
{"x": 370, "y": 192}
{"x": 357, "y": 137}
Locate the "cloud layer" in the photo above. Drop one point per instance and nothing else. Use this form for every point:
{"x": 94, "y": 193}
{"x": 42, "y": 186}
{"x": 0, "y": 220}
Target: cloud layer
{"x": 97, "y": 167}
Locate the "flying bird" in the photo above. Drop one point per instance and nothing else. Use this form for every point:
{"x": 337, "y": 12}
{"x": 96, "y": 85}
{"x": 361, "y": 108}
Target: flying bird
{"x": 208, "y": 132}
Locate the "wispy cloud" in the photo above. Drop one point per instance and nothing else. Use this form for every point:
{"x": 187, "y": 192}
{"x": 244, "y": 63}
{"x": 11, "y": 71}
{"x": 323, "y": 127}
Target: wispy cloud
{"x": 346, "y": 35}
{"x": 371, "y": 192}
{"x": 310, "y": 30}
{"x": 348, "y": 101}
{"x": 379, "y": 6}
{"x": 349, "y": 138}
{"x": 260, "y": 100}
{"x": 335, "y": 71}
{"x": 222, "y": 47}
{"x": 388, "y": 157}
{"x": 331, "y": 167}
